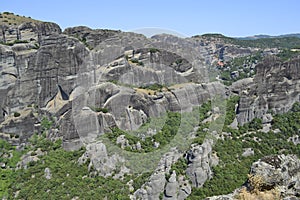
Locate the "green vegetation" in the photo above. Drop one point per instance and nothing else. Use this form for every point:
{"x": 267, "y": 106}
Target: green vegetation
{"x": 84, "y": 41}
{"x": 155, "y": 87}
{"x": 8, "y": 18}
{"x": 140, "y": 180}
{"x": 179, "y": 166}
{"x": 15, "y": 42}
{"x": 46, "y": 123}
{"x": 287, "y": 54}
{"x": 113, "y": 81}
{"x": 233, "y": 167}
{"x": 243, "y": 66}
{"x": 9, "y": 157}
{"x": 16, "y": 114}
{"x": 136, "y": 61}
{"x": 153, "y": 50}
{"x": 69, "y": 179}
{"x": 284, "y": 42}
{"x": 163, "y": 137}
{"x": 288, "y": 123}
{"x": 99, "y": 109}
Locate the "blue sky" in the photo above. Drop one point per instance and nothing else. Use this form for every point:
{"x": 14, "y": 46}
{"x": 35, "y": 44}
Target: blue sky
{"x": 188, "y": 17}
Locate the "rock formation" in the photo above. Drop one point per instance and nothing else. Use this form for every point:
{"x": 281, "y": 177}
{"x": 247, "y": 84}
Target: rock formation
{"x": 90, "y": 81}
{"x": 275, "y": 88}
{"x": 280, "y": 173}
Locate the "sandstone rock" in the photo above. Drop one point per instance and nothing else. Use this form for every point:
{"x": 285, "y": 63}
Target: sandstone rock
{"x": 248, "y": 152}
{"x": 295, "y": 139}
{"x": 26, "y": 160}
{"x": 156, "y": 184}
{"x": 200, "y": 162}
{"x": 275, "y": 87}
{"x": 281, "y": 171}
{"x": 234, "y": 124}
{"x": 48, "y": 174}
{"x": 171, "y": 187}
{"x": 106, "y": 165}
{"x": 122, "y": 141}
{"x": 22, "y": 126}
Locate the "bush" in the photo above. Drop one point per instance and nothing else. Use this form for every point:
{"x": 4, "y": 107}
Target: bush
{"x": 163, "y": 137}
{"x": 46, "y": 124}
{"x": 153, "y": 50}
{"x": 136, "y": 61}
{"x": 16, "y": 114}
{"x": 99, "y": 109}
{"x": 155, "y": 86}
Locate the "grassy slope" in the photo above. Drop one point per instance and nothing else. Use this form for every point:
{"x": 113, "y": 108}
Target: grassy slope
{"x": 7, "y": 18}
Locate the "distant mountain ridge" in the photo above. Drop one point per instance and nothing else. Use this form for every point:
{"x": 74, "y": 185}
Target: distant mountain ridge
{"x": 262, "y": 36}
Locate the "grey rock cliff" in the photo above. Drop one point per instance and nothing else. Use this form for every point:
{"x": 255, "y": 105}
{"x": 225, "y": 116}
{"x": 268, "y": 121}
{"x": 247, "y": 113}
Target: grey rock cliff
{"x": 201, "y": 160}
{"x": 276, "y": 87}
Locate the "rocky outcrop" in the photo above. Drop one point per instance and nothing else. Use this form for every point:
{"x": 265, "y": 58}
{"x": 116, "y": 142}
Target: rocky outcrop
{"x": 281, "y": 171}
{"x": 155, "y": 187}
{"x": 177, "y": 188}
{"x": 20, "y": 125}
{"x": 63, "y": 73}
{"x": 275, "y": 88}
{"x": 201, "y": 159}
{"x": 90, "y": 36}
{"x": 98, "y": 158}
{"x": 271, "y": 177}
{"x": 28, "y": 32}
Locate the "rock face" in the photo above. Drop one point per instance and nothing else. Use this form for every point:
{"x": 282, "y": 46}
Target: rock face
{"x": 201, "y": 160}
{"x": 53, "y": 69}
{"x": 29, "y": 31}
{"x": 90, "y": 81}
{"x": 279, "y": 172}
{"x": 105, "y": 165}
{"x": 276, "y": 87}
{"x": 282, "y": 171}
{"x": 176, "y": 187}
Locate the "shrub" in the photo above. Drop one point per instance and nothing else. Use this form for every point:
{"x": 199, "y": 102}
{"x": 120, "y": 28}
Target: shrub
{"x": 155, "y": 86}
{"x": 153, "y": 50}
{"x": 16, "y": 114}
{"x": 99, "y": 109}
{"x": 46, "y": 124}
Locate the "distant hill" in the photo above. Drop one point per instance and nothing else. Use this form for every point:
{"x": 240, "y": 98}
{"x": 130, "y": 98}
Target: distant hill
{"x": 269, "y": 36}
{"x": 288, "y": 41}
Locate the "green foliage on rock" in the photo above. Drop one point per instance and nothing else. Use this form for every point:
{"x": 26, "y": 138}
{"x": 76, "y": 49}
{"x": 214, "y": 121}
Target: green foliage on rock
{"x": 163, "y": 137}
{"x": 68, "y": 179}
{"x": 99, "y": 109}
{"x": 244, "y": 66}
{"x": 155, "y": 87}
{"x": 233, "y": 167}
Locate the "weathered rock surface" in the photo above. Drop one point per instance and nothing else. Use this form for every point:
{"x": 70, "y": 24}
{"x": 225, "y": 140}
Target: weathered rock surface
{"x": 280, "y": 172}
{"x": 29, "y": 31}
{"x": 201, "y": 160}
{"x": 153, "y": 188}
{"x": 97, "y": 156}
{"x": 276, "y": 87}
